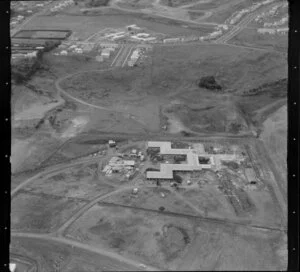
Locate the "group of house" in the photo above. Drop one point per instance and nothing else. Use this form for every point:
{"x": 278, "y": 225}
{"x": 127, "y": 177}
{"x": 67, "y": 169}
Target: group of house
{"x": 62, "y": 5}
{"x": 282, "y": 21}
{"x": 118, "y": 165}
{"x": 134, "y": 57}
{"x": 273, "y": 31}
{"x": 239, "y": 14}
{"x": 274, "y": 11}
{"x": 16, "y": 20}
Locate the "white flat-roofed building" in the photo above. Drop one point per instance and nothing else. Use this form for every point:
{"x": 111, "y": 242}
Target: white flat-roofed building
{"x": 194, "y": 156}
{"x": 166, "y": 169}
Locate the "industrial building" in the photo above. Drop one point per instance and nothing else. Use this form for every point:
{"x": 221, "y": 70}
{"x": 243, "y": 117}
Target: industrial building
{"x": 117, "y": 164}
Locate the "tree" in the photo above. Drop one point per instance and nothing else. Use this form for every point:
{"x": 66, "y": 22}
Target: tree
{"x": 49, "y": 45}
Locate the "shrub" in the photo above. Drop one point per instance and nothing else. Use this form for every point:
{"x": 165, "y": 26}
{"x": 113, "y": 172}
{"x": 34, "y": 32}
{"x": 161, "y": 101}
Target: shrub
{"x": 210, "y": 83}
{"x": 177, "y": 178}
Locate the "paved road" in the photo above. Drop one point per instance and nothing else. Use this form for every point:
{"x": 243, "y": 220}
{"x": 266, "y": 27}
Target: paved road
{"x": 61, "y": 240}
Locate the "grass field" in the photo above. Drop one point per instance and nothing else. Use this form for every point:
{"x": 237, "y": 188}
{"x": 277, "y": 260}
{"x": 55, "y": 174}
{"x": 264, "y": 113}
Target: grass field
{"x": 150, "y": 198}
{"x": 37, "y": 34}
{"x": 274, "y": 136}
{"x": 51, "y": 255}
{"x": 222, "y": 10}
{"x": 212, "y": 4}
{"x": 139, "y": 235}
{"x": 80, "y": 182}
{"x": 177, "y": 243}
{"x": 135, "y": 4}
{"x": 136, "y": 91}
{"x": 177, "y": 3}
{"x": 85, "y": 26}
{"x": 250, "y": 37}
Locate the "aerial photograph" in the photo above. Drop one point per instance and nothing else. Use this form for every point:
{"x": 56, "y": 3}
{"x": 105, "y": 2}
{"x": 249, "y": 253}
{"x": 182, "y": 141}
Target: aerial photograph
{"x": 148, "y": 135}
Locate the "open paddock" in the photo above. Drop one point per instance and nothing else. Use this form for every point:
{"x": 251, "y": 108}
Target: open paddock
{"x": 152, "y": 199}
{"x": 250, "y": 37}
{"x": 41, "y": 213}
{"x": 85, "y": 26}
{"x": 51, "y": 254}
{"x": 42, "y": 34}
{"x": 142, "y": 236}
{"x": 79, "y": 182}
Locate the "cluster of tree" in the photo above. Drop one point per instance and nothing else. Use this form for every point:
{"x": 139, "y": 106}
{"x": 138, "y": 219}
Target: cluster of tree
{"x": 24, "y": 68}
{"x": 276, "y": 88}
{"x": 209, "y": 82}
{"x": 231, "y": 164}
{"x": 49, "y": 45}
{"x": 151, "y": 169}
{"x": 152, "y": 151}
